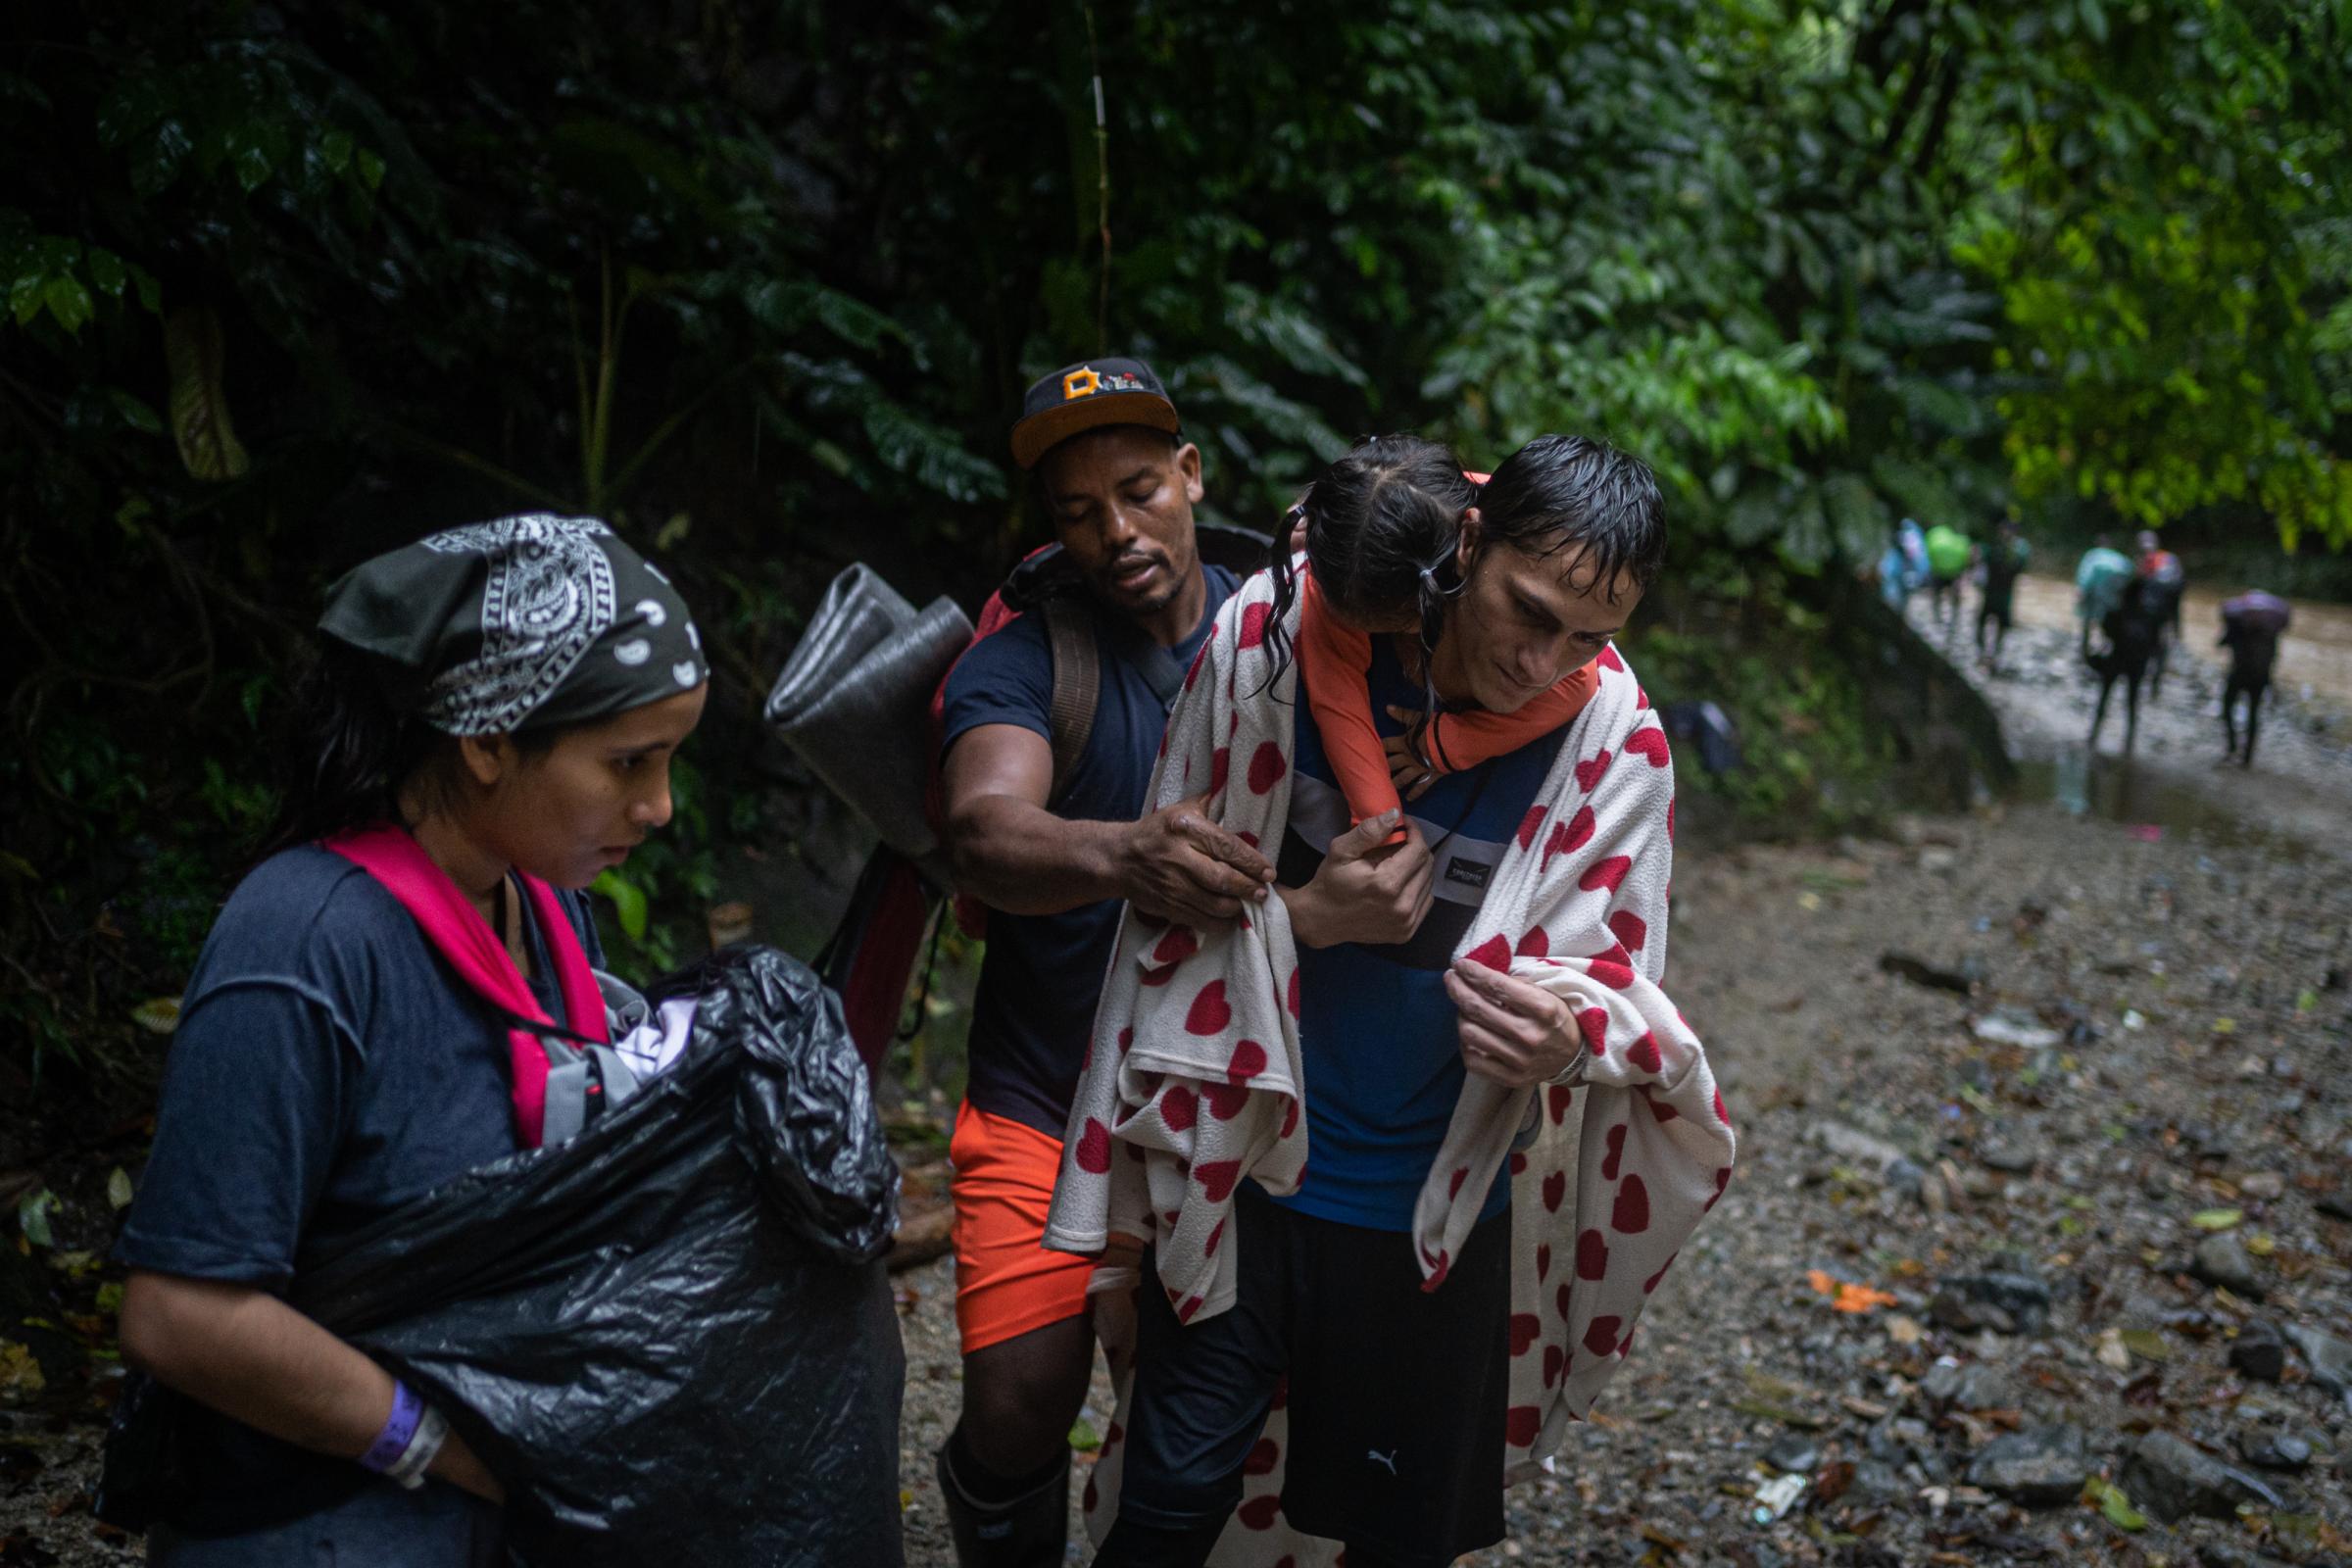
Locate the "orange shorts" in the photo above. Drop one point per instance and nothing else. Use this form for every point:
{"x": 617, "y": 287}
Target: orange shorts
{"x": 1005, "y": 1281}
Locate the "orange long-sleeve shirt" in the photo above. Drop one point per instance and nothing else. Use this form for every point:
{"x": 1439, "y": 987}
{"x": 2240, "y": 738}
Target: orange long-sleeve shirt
{"x": 1333, "y": 657}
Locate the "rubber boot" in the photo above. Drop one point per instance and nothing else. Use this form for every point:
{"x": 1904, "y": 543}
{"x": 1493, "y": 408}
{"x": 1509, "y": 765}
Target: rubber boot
{"x": 1032, "y": 1531}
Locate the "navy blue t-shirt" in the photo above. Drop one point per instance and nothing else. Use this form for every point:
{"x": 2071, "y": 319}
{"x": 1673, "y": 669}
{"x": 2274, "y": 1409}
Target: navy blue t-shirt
{"x": 329, "y": 1067}
{"x": 1378, "y": 1035}
{"x": 1035, "y": 1005}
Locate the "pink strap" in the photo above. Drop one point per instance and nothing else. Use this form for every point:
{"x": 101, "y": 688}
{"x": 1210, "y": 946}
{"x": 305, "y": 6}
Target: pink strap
{"x": 460, "y": 934}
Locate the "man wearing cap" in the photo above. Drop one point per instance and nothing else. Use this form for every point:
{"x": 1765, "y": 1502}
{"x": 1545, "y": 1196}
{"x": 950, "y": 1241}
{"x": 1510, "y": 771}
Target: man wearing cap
{"x": 1114, "y": 474}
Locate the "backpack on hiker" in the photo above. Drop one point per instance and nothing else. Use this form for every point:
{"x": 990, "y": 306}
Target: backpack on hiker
{"x": 859, "y": 701}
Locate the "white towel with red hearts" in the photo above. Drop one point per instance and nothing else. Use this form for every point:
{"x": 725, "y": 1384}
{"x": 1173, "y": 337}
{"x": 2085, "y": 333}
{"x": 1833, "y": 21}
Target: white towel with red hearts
{"x": 1194, "y": 1080}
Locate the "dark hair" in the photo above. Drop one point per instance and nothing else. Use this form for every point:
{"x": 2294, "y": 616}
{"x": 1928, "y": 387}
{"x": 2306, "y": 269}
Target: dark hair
{"x": 1380, "y": 524}
{"x": 350, "y": 751}
{"x": 1563, "y": 490}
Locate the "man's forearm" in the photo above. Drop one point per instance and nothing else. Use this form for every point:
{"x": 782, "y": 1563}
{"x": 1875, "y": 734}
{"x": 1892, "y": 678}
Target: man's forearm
{"x": 1022, "y": 858}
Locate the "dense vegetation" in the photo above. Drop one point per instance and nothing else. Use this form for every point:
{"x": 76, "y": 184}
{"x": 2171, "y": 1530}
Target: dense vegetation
{"x": 289, "y": 282}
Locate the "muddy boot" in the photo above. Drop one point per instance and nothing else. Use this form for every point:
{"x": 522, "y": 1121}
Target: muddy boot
{"x": 1030, "y": 1531}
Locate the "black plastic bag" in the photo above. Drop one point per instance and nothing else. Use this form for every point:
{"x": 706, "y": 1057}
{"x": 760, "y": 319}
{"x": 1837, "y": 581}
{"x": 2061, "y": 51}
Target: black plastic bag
{"x": 671, "y": 1338}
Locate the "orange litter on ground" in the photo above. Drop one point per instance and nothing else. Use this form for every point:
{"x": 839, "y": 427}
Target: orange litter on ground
{"x": 1845, "y": 1296}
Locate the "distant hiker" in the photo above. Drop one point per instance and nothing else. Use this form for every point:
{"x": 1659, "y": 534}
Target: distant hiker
{"x": 492, "y": 723}
{"x": 1118, "y": 482}
{"x": 2133, "y": 630}
{"x": 2099, "y": 578}
{"x": 2166, "y": 585}
{"x": 2005, "y": 559}
{"x": 1903, "y": 564}
{"x": 1949, "y": 553}
{"x": 2251, "y": 625}
{"x": 1356, "y": 1349}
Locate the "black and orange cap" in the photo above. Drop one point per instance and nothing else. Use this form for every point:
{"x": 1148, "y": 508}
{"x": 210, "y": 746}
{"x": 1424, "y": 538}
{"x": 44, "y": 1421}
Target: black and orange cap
{"x": 1084, "y": 396}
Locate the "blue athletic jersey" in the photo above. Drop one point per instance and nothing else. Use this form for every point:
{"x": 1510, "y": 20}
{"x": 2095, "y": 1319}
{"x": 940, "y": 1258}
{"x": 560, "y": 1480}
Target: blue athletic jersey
{"x": 1379, "y": 1035}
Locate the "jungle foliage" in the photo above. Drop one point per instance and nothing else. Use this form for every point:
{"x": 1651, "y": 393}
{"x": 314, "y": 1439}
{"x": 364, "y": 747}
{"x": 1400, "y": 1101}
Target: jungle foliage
{"x": 288, "y": 283}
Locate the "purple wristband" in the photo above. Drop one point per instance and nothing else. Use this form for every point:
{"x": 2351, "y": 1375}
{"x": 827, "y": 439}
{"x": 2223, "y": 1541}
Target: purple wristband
{"x": 400, "y": 1429}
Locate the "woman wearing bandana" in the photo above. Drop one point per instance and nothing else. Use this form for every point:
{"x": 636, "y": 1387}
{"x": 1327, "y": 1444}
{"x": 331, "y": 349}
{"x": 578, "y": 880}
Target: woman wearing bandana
{"x": 491, "y": 727}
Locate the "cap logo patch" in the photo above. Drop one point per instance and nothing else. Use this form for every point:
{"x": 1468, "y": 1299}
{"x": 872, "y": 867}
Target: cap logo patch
{"x": 1080, "y": 383}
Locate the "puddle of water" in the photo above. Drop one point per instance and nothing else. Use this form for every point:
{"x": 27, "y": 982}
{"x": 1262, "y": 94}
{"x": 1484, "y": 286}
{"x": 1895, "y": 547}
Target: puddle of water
{"x": 2113, "y": 788}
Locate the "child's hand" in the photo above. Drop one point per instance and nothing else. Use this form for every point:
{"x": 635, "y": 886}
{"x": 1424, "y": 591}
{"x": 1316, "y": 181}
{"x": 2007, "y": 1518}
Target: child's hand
{"x": 1405, "y": 772}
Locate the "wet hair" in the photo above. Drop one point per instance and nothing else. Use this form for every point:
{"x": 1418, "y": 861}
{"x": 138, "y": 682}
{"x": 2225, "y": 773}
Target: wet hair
{"x": 1563, "y": 490}
{"x": 350, "y": 750}
{"x": 1380, "y": 522}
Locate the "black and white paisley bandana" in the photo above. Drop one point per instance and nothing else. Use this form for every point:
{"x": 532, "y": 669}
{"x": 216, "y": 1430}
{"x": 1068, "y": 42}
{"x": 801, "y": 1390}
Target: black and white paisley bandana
{"x": 520, "y": 624}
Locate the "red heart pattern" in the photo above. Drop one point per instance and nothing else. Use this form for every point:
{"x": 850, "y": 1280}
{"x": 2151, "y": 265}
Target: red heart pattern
{"x": 1643, "y": 1054}
{"x": 1595, "y": 1022}
{"x": 1209, "y": 1012}
{"x": 1493, "y": 953}
{"x": 1536, "y": 944}
{"x": 1591, "y": 1257}
{"x": 1093, "y": 1149}
{"x": 1178, "y": 1109}
{"x": 1649, "y": 744}
{"x": 1556, "y": 1188}
{"x": 1266, "y": 767}
{"x": 1610, "y": 658}
{"x": 1216, "y": 1178}
{"x": 1253, "y": 625}
{"x": 1615, "y": 1156}
{"x": 1531, "y": 824}
{"x": 1605, "y": 875}
{"x": 1179, "y": 944}
{"x": 1629, "y": 930}
{"x": 1525, "y": 1326}
{"x": 1600, "y": 1335}
{"x": 1630, "y": 1215}
{"x": 1521, "y": 1424}
{"x": 1589, "y": 771}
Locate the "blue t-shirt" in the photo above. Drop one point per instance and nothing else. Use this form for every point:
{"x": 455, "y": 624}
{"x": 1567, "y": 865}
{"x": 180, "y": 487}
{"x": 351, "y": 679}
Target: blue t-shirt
{"x": 329, "y": 1067}
{"x": 1379, "y": 1036}
{"x": 1035, "y": 1005}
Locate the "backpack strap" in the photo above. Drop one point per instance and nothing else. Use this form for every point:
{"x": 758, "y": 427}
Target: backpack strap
{"x": 1077, "y": 682}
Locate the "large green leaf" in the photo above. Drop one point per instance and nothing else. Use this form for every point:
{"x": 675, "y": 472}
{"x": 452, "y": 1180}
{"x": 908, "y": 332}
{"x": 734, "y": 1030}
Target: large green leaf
{"x": 200, "y": 422}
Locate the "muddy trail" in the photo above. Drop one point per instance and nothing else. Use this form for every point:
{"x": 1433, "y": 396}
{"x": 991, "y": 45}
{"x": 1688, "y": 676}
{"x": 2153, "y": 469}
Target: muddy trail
{"x": 2040, "y": 1246}
{"x": 2040, "y": 1231}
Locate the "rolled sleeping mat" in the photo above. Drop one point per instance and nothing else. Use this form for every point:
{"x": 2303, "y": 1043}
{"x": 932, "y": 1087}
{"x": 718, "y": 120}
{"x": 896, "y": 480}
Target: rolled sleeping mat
{"x": 854, "y": 702}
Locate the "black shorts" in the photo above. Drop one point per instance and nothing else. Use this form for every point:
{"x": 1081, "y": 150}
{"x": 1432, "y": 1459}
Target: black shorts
{"x": 1396, "y": 1396}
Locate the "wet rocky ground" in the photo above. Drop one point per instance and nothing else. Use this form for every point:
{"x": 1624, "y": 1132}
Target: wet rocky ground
{"x": 2040, "y": 1249}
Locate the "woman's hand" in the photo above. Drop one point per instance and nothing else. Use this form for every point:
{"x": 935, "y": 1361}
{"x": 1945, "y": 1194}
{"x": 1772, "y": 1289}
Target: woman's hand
{"x": 248, "y": 1354}
{"x": 461, "y": 1467}
{"x": 1512, "y": 1031}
